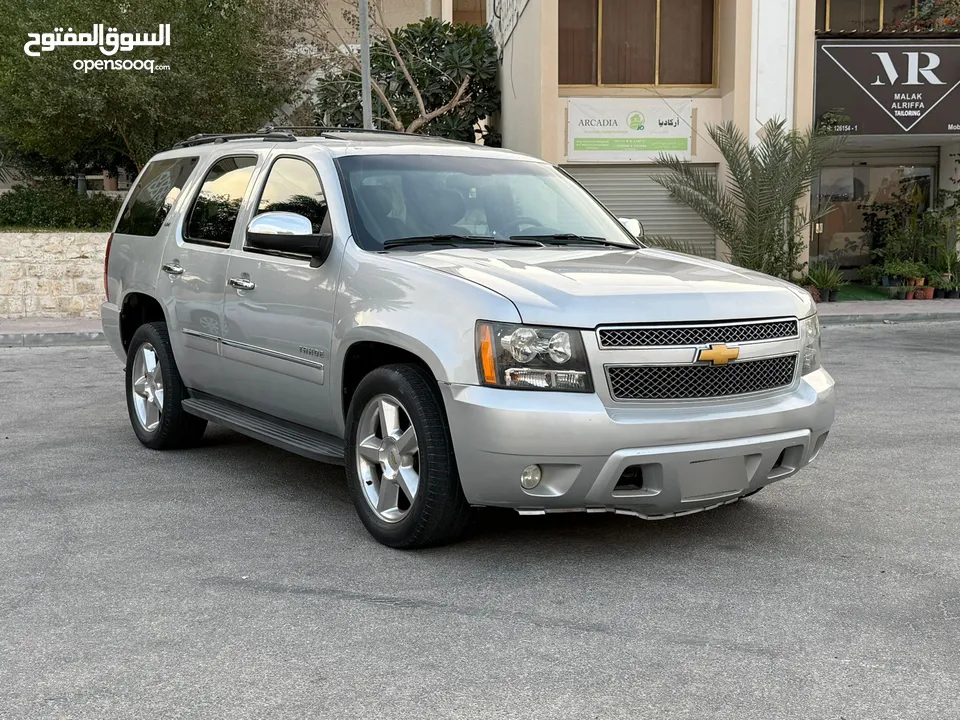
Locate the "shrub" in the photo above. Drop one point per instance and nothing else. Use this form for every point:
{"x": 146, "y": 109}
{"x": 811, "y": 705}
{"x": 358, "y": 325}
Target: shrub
{"x": 55, "y": 206}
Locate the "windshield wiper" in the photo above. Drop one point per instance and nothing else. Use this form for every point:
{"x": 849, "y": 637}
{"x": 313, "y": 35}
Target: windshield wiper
{"x": 572, "y": 239}
{"x": 450, "y": 239}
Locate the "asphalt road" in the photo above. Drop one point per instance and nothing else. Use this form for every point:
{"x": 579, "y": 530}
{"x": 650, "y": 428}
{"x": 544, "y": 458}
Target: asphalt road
{"x": 234, "y": 580}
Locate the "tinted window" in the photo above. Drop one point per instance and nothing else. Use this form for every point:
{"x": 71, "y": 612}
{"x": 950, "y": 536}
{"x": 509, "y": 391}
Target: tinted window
{"x": 293, "y": 186}
{"x": 216, "y": 208}
{"x": 156, "y": 191}
{"x": 400, "y": 196}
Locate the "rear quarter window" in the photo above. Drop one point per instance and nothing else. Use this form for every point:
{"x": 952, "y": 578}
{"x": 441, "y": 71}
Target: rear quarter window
{"x": 155, "y": 193}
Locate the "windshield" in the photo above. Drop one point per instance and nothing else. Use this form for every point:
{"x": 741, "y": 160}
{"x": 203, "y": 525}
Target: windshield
{"x": 392, "y": 197}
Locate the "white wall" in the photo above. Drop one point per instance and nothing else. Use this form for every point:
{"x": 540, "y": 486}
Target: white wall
{"x": 521, "y": 82}
{"x": 772, "y": 61}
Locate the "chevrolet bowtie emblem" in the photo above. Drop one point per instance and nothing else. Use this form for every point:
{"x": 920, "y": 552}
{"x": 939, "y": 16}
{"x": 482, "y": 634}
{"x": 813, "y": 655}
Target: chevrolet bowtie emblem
{"x": 718, "y": 354}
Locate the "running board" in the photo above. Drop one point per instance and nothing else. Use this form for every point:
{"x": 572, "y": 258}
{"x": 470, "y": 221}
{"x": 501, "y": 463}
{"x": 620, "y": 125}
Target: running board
{"x": 301, "y": 440}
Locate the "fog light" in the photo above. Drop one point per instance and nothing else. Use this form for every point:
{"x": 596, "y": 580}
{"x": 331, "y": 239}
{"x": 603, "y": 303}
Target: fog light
{"x": 530, "y": 477}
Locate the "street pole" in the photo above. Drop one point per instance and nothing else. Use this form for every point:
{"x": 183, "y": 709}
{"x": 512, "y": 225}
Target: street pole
{"x": 363, "y": 11}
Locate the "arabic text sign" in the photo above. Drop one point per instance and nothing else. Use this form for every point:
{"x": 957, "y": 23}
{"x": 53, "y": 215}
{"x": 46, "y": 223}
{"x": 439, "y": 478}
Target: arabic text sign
{"x": 628, "y": 129}
{"x": 109, "y": 41}
{"x": 893, "y": 87}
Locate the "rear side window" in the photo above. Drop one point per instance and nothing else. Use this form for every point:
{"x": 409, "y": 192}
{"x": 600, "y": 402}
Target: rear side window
{"x": 294, "y": 186}
{"x": 214, "y": 212}
{"x": 156, "y": 192}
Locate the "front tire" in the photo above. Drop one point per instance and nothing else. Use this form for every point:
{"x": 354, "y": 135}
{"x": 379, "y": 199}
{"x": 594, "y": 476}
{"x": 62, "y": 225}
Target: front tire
{"x": 155, "y": 392}
{"x": 400, "y": 462}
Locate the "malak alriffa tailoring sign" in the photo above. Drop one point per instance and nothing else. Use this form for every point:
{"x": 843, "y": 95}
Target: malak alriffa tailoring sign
{"x": 892, "y": 87}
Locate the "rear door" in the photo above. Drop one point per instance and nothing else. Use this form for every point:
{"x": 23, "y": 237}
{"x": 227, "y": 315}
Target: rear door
{"x": 277, "y": 334}
{"x": 194, "y": 268}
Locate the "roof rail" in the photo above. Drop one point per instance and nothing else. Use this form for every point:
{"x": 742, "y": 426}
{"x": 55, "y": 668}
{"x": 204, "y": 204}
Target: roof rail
{"x": 207, "y": 138}
{"x": 329, "y": 132}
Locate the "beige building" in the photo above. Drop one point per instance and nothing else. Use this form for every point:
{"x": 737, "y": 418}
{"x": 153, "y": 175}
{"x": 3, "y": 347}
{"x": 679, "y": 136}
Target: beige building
{"x": 600, "y": 87}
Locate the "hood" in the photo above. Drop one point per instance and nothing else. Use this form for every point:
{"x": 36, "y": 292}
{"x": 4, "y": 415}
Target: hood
{"x": 586, "y": 287}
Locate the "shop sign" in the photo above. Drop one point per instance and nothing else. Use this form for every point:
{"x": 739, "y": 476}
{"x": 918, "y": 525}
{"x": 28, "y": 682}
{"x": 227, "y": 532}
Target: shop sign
{"x": 894, "y": 87}
{"x": 628, "y": 129}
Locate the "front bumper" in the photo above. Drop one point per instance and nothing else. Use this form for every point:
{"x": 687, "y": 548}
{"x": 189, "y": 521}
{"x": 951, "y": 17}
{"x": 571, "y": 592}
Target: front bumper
{"x": 692, "y": 457}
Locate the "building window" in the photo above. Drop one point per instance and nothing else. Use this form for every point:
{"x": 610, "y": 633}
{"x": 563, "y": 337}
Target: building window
{"x": 862, "y": 15}
{"x": 470, "y": 12}
{"x": 637, "y": 42}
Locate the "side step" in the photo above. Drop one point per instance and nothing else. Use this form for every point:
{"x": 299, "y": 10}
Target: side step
{"x": 302, "y": 440}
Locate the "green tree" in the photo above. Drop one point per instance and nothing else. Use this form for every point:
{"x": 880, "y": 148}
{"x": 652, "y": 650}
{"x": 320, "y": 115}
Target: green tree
{"x": 230, "y": 67}
{"x": 431, "y": 77}
{"x": 757, "y": 212}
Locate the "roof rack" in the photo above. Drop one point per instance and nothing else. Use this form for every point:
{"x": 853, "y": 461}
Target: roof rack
{"x": 330, "y": 132}
{"x": 207, "y": 138}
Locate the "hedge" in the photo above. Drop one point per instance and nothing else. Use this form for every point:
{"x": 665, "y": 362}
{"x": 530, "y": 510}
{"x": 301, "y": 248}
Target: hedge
{"x": 55, "y": 206}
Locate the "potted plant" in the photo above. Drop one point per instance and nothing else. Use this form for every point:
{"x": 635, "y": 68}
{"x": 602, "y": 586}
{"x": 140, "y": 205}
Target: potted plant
{"x": 909, "y": 292}
{"x": 939, "y": 285}
{"x": 894, "y": 272}
{"x": 953, "y": 291}
{"x": 826, "y": 278}
{"x": 870, "y": 274}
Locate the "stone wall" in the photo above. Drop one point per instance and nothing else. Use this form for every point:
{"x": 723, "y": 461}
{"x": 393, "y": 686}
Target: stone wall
{"x": 51, "y": 274}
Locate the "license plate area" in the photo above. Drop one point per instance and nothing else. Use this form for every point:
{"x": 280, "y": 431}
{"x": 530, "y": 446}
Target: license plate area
{"x": 707, "y": 479}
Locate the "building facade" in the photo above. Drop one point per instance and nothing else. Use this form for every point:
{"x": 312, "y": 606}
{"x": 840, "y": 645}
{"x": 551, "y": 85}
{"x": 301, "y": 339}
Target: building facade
{"x": 601, "y": 87}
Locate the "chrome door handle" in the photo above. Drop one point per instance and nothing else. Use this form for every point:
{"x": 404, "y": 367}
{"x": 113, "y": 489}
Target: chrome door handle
{"x": 241, "y": 283}
{"x": 172, "y": 268}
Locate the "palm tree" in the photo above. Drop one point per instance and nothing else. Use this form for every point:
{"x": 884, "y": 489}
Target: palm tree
{"x": 757, "y": 211}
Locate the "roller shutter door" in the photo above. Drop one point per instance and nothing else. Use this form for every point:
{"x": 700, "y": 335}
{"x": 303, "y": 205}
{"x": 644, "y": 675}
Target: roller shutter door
{"x": 630, "y": 191}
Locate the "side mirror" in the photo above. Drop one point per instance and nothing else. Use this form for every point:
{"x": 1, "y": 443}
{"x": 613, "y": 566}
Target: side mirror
{"x": 633, "y": 226}
{"x": 289, "y": 232}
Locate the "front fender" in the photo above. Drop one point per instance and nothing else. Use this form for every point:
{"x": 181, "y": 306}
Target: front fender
{"x": 382, "y": 298}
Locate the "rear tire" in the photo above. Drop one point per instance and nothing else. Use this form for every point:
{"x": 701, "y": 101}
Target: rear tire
{"x": 400, "y": 463}
{"x": 155, "y": 392}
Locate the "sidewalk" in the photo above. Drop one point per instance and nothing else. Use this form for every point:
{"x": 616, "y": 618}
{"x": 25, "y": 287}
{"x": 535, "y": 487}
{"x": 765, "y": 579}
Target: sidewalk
{"x": 50, "y": 332}
{"x": 53, "y": 332}
{"x": 861, "y": 312}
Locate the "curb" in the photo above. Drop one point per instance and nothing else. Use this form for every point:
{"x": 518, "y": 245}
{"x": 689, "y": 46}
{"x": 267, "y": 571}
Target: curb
{"x": 827, "y": 320}
{"x": 70, "y": 339}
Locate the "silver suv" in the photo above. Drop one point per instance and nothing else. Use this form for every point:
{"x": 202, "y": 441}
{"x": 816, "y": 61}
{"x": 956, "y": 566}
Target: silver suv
{"x": 459, "y": 326}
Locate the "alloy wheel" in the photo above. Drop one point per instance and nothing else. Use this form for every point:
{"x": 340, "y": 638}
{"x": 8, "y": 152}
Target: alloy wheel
{"x": 147, "y": 386}
{"x": 388, "y": 458}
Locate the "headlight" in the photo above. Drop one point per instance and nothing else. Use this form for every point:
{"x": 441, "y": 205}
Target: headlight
{"x": 810, "y": 335}
{"x": 532, "y": 358}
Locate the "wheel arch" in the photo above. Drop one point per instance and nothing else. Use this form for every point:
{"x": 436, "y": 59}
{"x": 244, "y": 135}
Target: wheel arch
{"x": 138, "y": 309}
{"x": 367, "y": 351}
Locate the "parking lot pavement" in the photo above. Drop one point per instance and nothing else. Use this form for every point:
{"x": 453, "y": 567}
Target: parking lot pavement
{"x": 234, "y": 580}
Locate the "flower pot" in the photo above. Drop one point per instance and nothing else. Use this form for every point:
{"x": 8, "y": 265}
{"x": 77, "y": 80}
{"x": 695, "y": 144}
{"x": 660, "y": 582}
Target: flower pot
{"x": 938, "y": 293}
{"x": 893, "y": 291}
{"x": 921, "y": 282}
{"x": 925, "y": 292}
{"x": 909, "y": 293}
{"x": 953, "y": 294}
{"x": 946, "y": 277}
{"x": 885, "y": 281}
{"x": 911, "y": 281}
{"x": 825, "y": 294}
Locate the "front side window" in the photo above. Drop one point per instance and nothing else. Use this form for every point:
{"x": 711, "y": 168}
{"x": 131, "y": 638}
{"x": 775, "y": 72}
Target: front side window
{"x": 294, "y": 186}
{"x": 637, "y": 42}
{"x": 214, "y": 212}
{"x": 410, "y": 196}
{"x": 155, "y": 193}
{"x": 863, "y": 15}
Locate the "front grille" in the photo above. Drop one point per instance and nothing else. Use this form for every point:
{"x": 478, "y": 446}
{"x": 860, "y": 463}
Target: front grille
{"x": 653, "y": 335}
{"x": 687, "y": 382}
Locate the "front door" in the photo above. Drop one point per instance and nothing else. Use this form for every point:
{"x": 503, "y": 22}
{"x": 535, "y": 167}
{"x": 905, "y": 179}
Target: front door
{"x": 278, "y": 311}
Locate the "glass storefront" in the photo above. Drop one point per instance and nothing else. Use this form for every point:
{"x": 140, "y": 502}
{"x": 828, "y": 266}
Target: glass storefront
{"x": 852, "y": 190}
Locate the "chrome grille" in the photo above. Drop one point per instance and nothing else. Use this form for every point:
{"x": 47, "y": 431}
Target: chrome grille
{"x": 688, "y": 382}
{"x": 653, "y": 335}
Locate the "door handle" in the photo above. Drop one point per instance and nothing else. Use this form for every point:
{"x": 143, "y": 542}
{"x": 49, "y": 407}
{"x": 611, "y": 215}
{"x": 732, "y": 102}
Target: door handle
{"x": 241, "y": 283}
{"x": 172, "y": 268}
